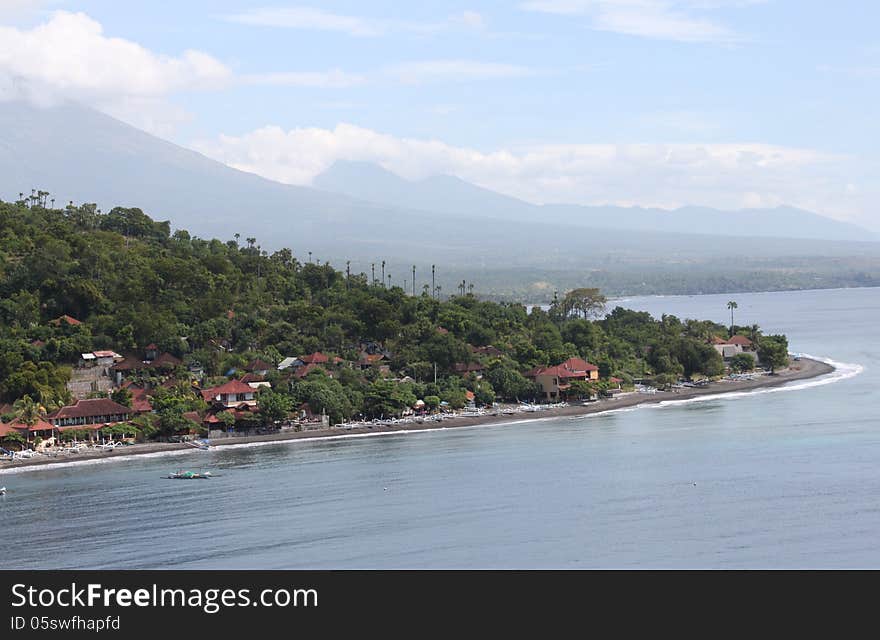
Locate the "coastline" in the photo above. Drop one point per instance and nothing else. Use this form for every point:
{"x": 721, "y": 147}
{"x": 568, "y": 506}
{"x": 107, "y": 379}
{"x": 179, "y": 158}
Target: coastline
{"x": 803, "y": 369}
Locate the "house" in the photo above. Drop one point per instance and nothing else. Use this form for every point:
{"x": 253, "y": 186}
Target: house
{"x": 40, "y": 429}
{"x": 99, "y": 359}
{"x": 743, "y": 342}
{"x": 288, "y": 362}
{"x": 733, "y": 346}
{"x": 259, "y": 367}
{"x": 95, "y": 411}
{"x": 132, "y": 364}
{"x": 66, "y": 320}
{"x": 140, "y": 397}
{"x": 302, "y": 372}
{"x": 368, "y": 360}
{"x": 231, "y": 394}
{"x": 463, "y": 368}
{"x": 315, "y": 358}
{"x": 555, "y": 381}
{"x": 581, "y": 367}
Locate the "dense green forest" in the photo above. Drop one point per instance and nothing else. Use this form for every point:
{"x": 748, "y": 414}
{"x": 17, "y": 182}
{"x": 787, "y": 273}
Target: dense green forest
{"x": 216, "y": 304}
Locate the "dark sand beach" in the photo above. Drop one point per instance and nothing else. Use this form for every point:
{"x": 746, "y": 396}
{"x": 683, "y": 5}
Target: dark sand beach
{"x": 798, "y": 370}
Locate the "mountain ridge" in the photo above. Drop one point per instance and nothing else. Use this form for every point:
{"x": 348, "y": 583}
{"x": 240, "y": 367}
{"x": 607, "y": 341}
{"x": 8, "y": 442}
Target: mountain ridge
{"x": 442, "y": 192}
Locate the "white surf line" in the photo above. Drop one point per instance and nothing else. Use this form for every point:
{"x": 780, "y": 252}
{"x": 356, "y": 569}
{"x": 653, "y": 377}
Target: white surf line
{"x": 842, "y": 371}
{"x": 263, "y": 443}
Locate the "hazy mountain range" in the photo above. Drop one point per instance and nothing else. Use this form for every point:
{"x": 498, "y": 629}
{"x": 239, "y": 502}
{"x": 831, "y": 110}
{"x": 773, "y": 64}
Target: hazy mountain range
{"x": 363, "y": 213}
{"x": 445, "y": 193}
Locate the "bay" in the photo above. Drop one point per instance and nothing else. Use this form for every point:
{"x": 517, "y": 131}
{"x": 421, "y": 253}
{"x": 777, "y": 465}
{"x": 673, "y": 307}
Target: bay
{"x": 781, "y": 478}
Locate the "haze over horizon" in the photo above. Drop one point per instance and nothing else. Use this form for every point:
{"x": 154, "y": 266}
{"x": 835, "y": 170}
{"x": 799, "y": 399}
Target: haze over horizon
{"x": 655, "y": 103}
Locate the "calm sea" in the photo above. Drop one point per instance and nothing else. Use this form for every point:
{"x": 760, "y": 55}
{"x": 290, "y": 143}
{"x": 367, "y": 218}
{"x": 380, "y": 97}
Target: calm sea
{"x": 789, "y": 478}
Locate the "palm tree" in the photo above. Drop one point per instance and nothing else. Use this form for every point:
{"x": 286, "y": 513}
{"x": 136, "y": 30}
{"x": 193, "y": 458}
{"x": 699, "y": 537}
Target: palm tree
{"x": 731, "y": 305}
{"x": 27, "y": 411}
{"x": 755, "y": 330}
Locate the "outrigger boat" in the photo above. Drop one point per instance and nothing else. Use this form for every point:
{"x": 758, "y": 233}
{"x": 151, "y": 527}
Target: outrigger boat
{"x": 203, "y": 444}
{"x": 190, "y": 475}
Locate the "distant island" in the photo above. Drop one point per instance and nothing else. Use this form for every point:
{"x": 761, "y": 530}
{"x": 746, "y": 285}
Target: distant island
{"x": 114, "y": 329}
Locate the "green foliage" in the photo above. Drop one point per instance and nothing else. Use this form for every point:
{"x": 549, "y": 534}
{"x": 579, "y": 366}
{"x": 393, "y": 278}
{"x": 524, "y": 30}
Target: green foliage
{"x": 274, "y": 407}
{"x": 122, "y": 396}
{"x": 742, "y": 362}
{"x": 131, "y": 282}
{"x": 773, "y": 352}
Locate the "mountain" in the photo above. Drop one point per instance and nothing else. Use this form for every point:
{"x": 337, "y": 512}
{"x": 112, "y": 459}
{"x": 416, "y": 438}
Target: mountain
{"x": 451, "y": 194}
{"x": 444, "y": 193}
{"x": 364, "y": 214}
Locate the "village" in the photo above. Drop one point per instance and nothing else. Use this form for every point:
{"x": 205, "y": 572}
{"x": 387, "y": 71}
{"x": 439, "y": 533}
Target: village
{"x": 113, "y": 396}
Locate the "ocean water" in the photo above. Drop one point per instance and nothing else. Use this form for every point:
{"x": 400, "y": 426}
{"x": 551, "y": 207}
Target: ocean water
{"x": 789, "y": 478}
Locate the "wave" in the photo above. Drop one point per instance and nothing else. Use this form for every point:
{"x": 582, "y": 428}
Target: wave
{"x": 842, "y": 371}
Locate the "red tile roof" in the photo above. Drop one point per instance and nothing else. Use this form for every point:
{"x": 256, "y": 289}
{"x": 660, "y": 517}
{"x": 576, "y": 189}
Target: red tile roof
{"x": 90, "y": 408}
{"x": 302, "y": 372}
{"x": 578, "y": 364}
{"x": 67, "y": 320}
{"x": 233, "y": 386}
{"x": 251, "y": 377}
{"x": 7, "y": 427}
{"x": 80, "y": 427}
{"x": 559, "y": 371}
{"x": 166, "y": 359}
{"x": 258, "y": 365}
{"x": 314, "y": 358}
{"x": 140, "y": 398}
{"x": 741, "y": 341}
{"x": 39, "y": 425}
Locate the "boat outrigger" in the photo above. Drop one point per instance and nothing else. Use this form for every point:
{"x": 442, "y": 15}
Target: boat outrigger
{"x": 190, "y": 475}
{"x": 203, "y": 444}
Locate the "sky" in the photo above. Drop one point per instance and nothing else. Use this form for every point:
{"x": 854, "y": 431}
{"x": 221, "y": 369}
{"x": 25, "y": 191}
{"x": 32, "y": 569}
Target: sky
{"x": 724, "y": 103}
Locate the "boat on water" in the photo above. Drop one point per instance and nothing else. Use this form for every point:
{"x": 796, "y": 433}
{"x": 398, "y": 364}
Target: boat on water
{"x": 190, "y": 475}
{"x": 203, "y": 444}
{"x": 2, "y": 491}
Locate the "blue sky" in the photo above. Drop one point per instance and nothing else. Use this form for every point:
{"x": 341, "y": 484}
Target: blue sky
{"x": 728, "y": 103}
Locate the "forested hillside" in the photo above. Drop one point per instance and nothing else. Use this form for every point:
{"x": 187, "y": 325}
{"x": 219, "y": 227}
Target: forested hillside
{"x": 124, "y": 281}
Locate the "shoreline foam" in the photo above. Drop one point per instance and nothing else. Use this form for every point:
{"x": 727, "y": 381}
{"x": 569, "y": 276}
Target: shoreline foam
{"x": 816, "y": 371}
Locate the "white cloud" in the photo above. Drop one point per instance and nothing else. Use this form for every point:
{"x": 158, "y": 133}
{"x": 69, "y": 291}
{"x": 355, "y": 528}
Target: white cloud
{"x": 15, "y": 8}
{"x": 728, "y": 176}
{"x": 678, "y": 20}
{"x": 69, "y": 57}
{"x": 70, "y": 53}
